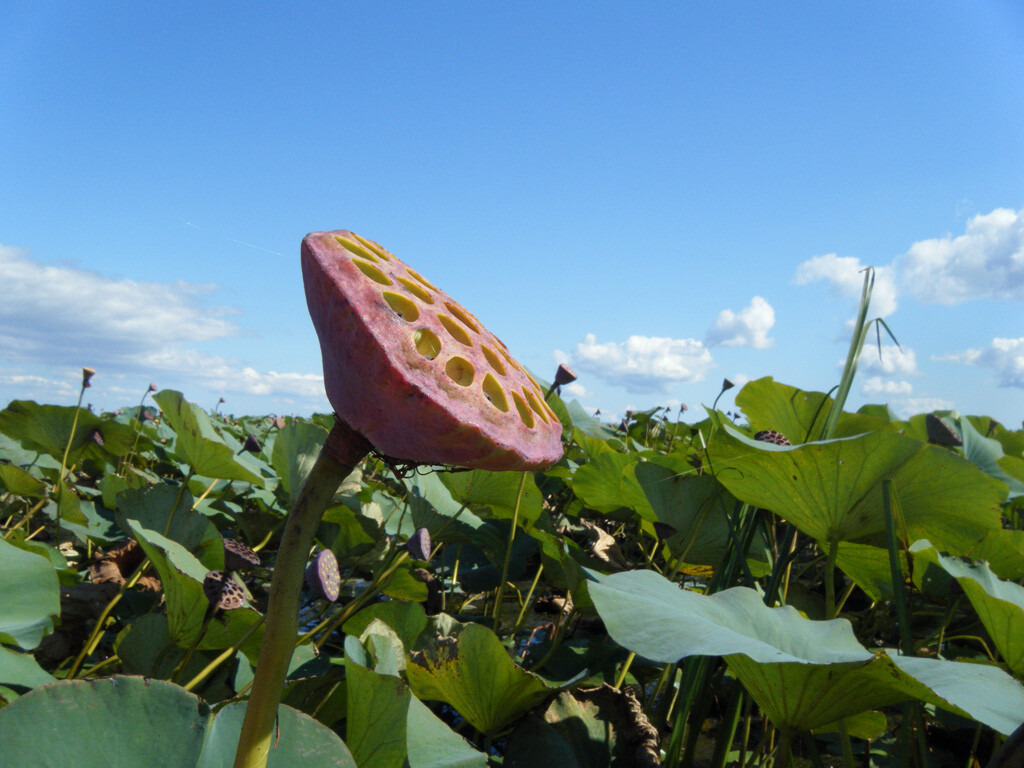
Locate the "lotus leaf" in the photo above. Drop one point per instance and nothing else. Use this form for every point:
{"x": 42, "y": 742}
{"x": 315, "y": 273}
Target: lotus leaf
{"x": 804, "y": 674}
{"x": 198, "y": 444}
{"x": 30, "y": 598}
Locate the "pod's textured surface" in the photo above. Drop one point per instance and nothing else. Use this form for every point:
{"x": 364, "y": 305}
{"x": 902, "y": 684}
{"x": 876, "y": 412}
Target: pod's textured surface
{"x": 413, "y": 371}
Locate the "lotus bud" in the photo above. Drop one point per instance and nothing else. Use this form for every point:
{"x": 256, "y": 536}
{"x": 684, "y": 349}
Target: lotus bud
{"x": 252, "y": 445}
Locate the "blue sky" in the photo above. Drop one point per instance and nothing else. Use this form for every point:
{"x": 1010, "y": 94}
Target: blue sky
{"x": 660, "y": 194}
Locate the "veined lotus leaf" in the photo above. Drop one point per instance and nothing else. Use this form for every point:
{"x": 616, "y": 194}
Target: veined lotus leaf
{"x": 804, "y": 674}
{"x": 153, "y": 507}
{"x": 1003, "y": 550}
{"x": 299, "y": 742}
{"x": 377, "y": 709}
{"x": 696, "y": 506}
{"x": 832, "y": 490}
{"x": 21, "y": 670}
{"x": 495, "y": 491}
{"x": 999, "y": 604}
{"x": 797, "y": 414}
{"x": 47, "y": 428}
{"x": 607, "y": 483}
{"x": 296, "y": 447}
{"x": 800, "y": 415}
{"x": 585, "y": 728}
{"x": 868, "y": 725}
{"x": 869, "y": 568}
{"x": 473, "y": 673}
{"x": 30, "y": 598}
{"x": 182, "y": 577}
{"x": 198, "y": 444}
{"x": 985, "y": 453}
{"x": 20, "y": 482}
{"x": 406, "y": 619}
{"x": 430, "y": 505}
{"x": 387, "y": 725}
{"x": 126, "y": 720}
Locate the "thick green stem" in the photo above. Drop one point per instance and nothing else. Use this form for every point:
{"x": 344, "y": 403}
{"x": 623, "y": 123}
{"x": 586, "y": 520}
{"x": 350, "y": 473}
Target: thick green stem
{"x": 342, "y": 451}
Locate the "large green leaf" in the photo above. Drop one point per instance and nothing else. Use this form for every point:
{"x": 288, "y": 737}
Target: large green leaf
{"x": 473, "y": 672}
{"x": 432, "y": 744}
{"x": 801, "y": 415}
{"x": 47, "y": 428}
{"x": 797, "y": 414}
{"x": 127, "y": 721}
{"x": 430, "y": 505}
{"x": 986, "y": 453}
{"x": 584, "y": 727}
{"x": 30, "y": 597}
{"x": 378, "y": 703}
{"x": 21, "y": 483}
{"x": 608, "y": 484}
{"x": 21, "y": 670}
{"x": 804, "y": 674}
{"x": 832, "y": 490}
{"x": 386, "y": 724}
{"x": 198, "y": 444}
{"x": 299, "y": 741}
{"x": 406, "y": 619}
{"x": 694, "y": 505}
{"x": 182, "y": 577}
{"x": 496, "y": 492}
{"x": 999, "y": 604}
{"x": 168, "y": 509}
{"x": 295, "y": 450}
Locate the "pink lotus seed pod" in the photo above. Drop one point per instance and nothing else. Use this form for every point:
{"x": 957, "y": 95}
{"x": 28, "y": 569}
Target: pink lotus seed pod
{"x": 152, "y": 387}
{"x": 87, "y": 374}
{"x": 412, "y": 371}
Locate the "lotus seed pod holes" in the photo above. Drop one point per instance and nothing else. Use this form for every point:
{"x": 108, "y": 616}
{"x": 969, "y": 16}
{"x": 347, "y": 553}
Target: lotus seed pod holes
{"x": 413, "y": 370}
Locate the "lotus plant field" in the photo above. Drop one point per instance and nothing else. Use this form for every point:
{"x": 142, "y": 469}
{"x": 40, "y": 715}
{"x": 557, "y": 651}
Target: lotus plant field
{"x": 459, "y": 568}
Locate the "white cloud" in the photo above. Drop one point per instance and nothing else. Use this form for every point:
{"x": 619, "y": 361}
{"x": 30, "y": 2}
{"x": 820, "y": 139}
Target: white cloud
{"x": 986, "y": 262}
{"x": 738, "y": 380}
{"x": 893, "y": 361}
{"x": 56, "y": 318}
{"x": 641, "y": 364}
{"x": 53, "y": 312}
{"x": 845, "y": 275}
{"x": 1004, "y": 356}
{"x": 749, "y": 328}
{"x": 912, "y": 406}
{"x": 876, "y": 385}
{"x": 577, "y": 390}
